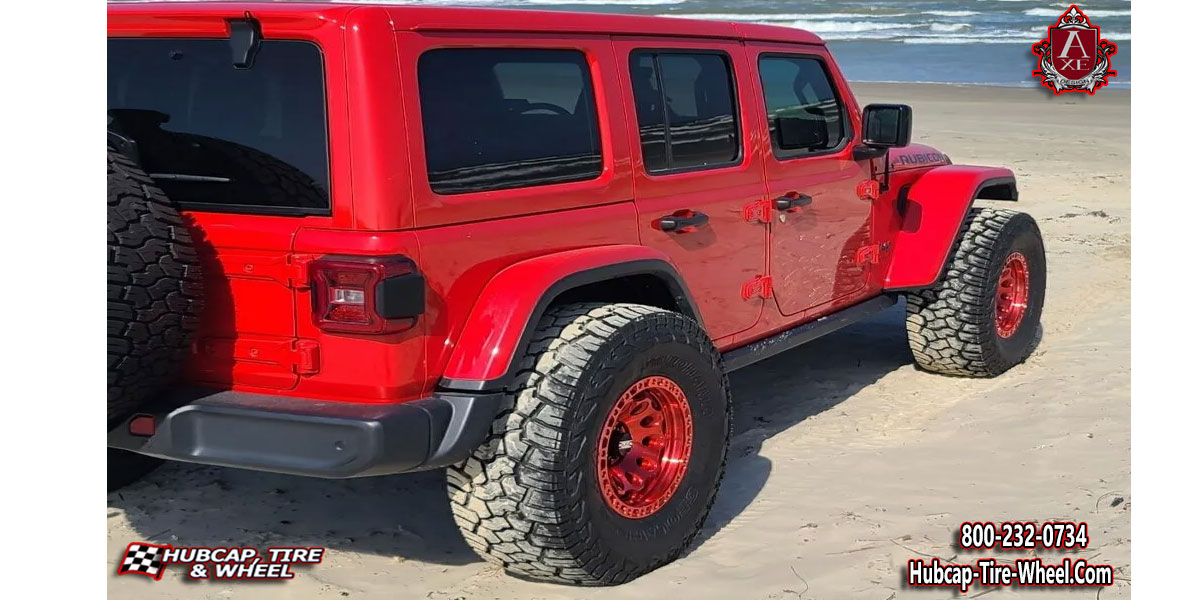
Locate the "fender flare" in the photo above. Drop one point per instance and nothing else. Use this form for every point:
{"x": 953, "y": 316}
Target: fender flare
{"x": 934, "y": 210}
{"x": 508, "y": 309}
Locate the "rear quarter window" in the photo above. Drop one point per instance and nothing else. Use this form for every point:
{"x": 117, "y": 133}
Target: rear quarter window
{"x": 501, "y": 118}
{"x": 215, "y": 137}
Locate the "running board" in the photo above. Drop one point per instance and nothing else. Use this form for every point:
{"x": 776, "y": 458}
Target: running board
{"x": 802, "y": 334}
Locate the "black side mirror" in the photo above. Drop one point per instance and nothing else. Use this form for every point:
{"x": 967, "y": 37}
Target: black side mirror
{"x": 887, "y": 125}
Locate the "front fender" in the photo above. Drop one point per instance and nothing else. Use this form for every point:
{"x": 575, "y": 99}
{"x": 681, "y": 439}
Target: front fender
{"x": 933, "y": 213}
{"x": 512, "y": 303}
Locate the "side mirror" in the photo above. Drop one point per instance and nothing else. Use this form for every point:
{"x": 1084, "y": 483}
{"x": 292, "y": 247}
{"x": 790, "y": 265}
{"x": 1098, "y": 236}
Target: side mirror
{"x": 887, "y": 125}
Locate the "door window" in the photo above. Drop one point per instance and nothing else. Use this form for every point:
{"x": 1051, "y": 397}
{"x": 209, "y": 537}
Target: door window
{"x": 686, "y": 110}
{"x": 804, "y": 114}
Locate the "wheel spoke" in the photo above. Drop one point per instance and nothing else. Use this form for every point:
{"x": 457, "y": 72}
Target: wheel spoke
{"x": 649, "y": 420}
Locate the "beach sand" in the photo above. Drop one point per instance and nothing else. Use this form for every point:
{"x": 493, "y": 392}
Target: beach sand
{"x": 846, "y": 461}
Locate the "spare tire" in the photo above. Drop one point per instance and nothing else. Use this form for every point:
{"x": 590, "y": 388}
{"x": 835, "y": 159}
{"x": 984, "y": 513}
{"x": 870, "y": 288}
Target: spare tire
{"x": 154, "y": 288}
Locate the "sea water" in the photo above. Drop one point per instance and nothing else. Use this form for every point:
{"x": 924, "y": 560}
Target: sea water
{"x": 946, "y": 41}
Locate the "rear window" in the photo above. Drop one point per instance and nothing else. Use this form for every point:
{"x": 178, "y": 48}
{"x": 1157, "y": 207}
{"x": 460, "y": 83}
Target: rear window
{"x": 500, "y": 118}
{"x": 219, "y": 138}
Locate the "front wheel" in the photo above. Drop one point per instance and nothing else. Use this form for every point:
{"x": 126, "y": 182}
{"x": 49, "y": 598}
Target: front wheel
{"x": 983, "y": 316}
{"x": 605, "y": 461}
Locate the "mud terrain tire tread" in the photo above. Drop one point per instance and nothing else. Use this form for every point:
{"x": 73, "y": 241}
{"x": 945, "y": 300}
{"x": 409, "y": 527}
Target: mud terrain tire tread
{"x": 951, "y": 326}
{"x": 518, "y": 498}
{"x": 154, "y": 288}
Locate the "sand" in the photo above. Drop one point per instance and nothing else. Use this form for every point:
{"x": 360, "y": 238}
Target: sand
{"x": 845, "y": 462}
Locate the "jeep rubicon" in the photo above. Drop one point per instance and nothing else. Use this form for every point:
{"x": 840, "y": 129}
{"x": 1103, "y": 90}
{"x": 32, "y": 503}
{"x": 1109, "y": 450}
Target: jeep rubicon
{"x": 526, "y": 247}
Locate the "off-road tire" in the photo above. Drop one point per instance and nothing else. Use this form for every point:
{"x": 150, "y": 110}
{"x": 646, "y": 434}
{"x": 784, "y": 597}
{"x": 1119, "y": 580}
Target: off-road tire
{"x": 153, "y": 288}
{"x": 952, "y": 326}
{"x": 528, "y": 499}
{"x": 126, "y": 467}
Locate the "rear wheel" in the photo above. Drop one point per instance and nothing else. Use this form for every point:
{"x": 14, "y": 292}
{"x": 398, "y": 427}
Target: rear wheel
{"x": 983, "y": 317}
{"x": 606, "y": 460}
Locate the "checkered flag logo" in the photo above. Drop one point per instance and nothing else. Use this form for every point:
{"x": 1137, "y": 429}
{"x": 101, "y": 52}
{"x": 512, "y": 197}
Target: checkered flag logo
{"x": 144, "y": 559}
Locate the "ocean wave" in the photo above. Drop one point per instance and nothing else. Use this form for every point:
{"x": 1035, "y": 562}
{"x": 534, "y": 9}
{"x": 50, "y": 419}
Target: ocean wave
{"x": 603, "y": 2}
{"x": 779, "y": 17}
{"x": 978, "y": 39}
{"x": 850, "y": 26}
{"x": 951, "y": 13}
{"x": 1054, "y": 12}
{"x": 948, "y": 26}
{"x": 964, "y": 40}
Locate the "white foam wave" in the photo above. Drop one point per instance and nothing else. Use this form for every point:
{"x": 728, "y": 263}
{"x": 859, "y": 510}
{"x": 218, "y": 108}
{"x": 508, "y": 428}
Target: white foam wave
{"x": 603, "y": 2}
{"x": 964, "y": 40}
{"x": 778, "y": 17}
{"x": 948, "y": 26}
{"x": 951, "y": 13}
{"x": 850, "y": 26}
{"x": 1053, "y": 12}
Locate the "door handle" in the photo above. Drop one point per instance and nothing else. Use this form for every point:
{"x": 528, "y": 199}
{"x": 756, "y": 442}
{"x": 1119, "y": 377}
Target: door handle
{"x": 792, "y": 201}
{"x": 682, "y": 221}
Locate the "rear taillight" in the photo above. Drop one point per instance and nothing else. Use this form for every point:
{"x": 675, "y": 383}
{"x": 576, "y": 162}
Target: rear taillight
{"x": 366, "y": 294}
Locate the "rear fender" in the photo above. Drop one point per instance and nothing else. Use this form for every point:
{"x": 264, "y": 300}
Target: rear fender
{"x": 508, "y": 310}
{"x": 934, "y": 211}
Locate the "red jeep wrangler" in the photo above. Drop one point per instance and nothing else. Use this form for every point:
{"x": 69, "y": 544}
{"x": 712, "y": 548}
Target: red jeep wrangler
{"x": 354, "y": 240}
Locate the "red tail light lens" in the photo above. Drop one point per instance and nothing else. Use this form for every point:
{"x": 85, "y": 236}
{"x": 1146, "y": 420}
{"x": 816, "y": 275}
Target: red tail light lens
{"x": 366, "y": 294}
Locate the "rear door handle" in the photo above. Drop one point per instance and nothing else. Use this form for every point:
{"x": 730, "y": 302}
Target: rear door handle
{"x": 683, "y": 221}
{"x": 791, "y": 201}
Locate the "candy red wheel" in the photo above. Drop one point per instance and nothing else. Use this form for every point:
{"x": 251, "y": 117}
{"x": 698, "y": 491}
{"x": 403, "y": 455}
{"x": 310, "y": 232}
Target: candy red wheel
{"x": 1012, "y": 294}
{"x": 982, "y": 317}
{"x": 644, "y": 448}
{"x": 604, "y": 462}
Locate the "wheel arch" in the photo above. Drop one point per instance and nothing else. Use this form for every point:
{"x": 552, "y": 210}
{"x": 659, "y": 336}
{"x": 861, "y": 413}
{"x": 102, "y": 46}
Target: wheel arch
{"x": 508, "y": 310}
{"x": 935, "y": 209}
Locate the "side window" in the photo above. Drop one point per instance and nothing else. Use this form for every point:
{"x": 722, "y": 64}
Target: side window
{"x": 803, "y": 112}
{"x": 687, "y": 115}
{"x": 500, "y": 118}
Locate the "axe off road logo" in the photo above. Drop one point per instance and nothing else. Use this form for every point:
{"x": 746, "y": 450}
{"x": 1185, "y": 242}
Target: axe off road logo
{"x": 1073, "y": 57}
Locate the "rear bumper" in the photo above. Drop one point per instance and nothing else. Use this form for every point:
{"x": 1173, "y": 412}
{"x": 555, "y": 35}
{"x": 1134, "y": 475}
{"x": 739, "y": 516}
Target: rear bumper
{"x": 312, "y": 437}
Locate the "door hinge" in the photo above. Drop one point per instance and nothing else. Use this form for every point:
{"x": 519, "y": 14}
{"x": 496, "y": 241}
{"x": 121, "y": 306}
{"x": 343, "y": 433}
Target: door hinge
{"x": 871, "y": 254}
{"x": 868, "y": 190}
{"x": 306, "y": 357}
{"x": 757, "y": 212}
{"x": 759, "y": 286}
{"x": 297, "y": 271}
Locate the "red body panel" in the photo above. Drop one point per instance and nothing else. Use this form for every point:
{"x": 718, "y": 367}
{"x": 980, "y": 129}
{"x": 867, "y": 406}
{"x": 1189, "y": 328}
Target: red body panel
{"x": 937, "y": 203}
{"x": 718, "y": 259}
{"x": 486, "y": 347}
{"x": 813, "y": 248}
{"x": 489, "y": 258}
{"x": 460, "y": 260}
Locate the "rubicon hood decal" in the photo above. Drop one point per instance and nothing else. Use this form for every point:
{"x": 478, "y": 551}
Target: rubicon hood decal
{"x": 915, "y": 156}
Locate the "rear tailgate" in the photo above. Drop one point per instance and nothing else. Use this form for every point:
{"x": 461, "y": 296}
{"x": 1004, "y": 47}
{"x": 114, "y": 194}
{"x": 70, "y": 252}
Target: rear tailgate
{"x": 248, "y": 329}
